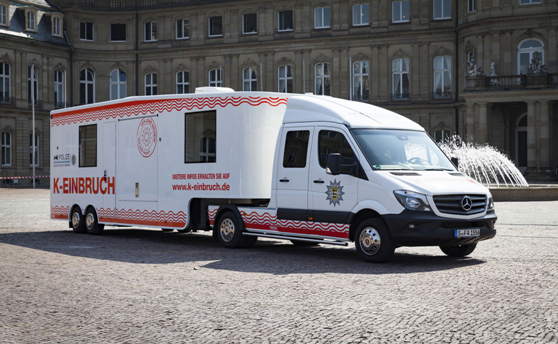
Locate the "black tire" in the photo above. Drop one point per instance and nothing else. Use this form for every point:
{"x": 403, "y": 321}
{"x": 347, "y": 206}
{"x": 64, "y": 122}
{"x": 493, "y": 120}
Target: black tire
{"x": 77, "y": 221}
{"x": 373, "y": 242}
{"x": 183, "y": 230}
{"x": 458, "y": 251}
{"x": 167, "y": 229}
{"x": 91, "y": 223}
{"x": 250, "y": 241}
{"x": 229, "y": 231}
{"x": 303, "y": 243}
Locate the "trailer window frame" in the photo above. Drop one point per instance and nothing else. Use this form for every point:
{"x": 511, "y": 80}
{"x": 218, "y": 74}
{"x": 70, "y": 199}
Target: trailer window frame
{"x": 203, "y": 144}
{"x": 83, "y": 158}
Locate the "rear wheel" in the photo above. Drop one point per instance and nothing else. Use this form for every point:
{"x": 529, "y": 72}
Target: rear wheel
{"x": 91, "y": 224}
{"x": 458, "y": 251}
{"x": 77, "y": 220}
{"x": 373, "y": 242}
{"x": 229, "y": 231}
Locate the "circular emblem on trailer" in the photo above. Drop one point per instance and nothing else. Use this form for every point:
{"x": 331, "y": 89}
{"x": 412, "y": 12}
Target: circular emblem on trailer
{"x": 147, "y": 137}
{"x": 466, "y": 203}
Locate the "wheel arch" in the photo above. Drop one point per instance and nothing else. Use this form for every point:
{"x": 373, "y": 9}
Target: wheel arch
{"x": 358, "y": 218}
{"x": 224, "y": 208}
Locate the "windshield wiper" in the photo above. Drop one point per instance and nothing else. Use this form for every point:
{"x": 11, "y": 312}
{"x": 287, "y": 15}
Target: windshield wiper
{"x": 438, "y": 169}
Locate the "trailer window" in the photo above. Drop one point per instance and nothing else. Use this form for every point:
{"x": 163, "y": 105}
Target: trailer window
{"x": 296, "y": 149}
{"x": 88, "y": 146}
{"x": 335, "y": 142}
{"x": 200, "y": 137}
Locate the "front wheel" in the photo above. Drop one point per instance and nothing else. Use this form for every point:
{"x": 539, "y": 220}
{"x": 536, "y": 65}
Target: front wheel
{"x": 373, "y": 242}
{"x": 458, "y": 251}
{"x": 92, "y": 224}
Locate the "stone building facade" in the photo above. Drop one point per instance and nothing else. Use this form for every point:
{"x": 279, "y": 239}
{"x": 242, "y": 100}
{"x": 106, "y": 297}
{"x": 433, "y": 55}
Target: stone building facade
{"x": 419, "y": 58}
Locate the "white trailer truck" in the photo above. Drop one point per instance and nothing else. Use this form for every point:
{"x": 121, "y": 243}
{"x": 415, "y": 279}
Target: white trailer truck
{"x": 309, "y": 169}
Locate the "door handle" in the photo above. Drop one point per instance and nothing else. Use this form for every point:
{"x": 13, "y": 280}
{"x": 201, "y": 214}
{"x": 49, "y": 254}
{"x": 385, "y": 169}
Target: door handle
{"x": 319, "y": 181}
{"x": 284, "y": 180}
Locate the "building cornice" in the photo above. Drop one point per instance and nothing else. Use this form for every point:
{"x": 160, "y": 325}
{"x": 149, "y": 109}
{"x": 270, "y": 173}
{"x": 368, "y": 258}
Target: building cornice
{"x": 510, "y": 19}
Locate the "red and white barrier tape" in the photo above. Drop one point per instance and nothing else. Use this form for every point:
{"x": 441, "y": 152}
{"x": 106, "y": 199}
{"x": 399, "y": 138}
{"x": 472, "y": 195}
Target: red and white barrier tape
{"x": 28, "y": 177}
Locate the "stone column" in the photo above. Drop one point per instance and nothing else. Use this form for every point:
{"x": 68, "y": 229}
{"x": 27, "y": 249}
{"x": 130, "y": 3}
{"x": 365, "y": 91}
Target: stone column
{"x": 373, "y": 74}
{"x": 471, "y": 122}
{"x": 335, "y": 73}
{"x": 483, "y": 124}
{"x": 261, "y": 72}
{"x": 544, "y": 136}
{"x": 270, "y": 72}
{"x": 300, "y": 73}
{"x": 384, "y": 73}
{"x": 531, "y": 135}
{"x": 344, "y": 69}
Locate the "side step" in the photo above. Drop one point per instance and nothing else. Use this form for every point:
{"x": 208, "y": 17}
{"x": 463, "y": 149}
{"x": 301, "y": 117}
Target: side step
{"x": 285, "y": 237}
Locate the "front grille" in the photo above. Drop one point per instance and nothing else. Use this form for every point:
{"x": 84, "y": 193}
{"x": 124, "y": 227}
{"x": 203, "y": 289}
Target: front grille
{"x": 451, "y": 204}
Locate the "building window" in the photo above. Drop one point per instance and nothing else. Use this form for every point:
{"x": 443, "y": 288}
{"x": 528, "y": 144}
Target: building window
{"x": 321, "y": 18}
{"x": 182, "y": 82}
{"x": 88, "y": 145}
{"x": 285, "y": 21}
{"x": 56, "y": 26}
{"x": 471, "y": 5}
{"x": 182, "y": 29}
{"x": 216, "y": 26}
{"x": 5, "y": 83}
{"x": 400, "y": 79}
{"x": 360, "y": 15}
{"x": 400, "y": 11}
{"x": 249, "y": 23}
{"x": 249, "y": 79}
{"x": 199, "y": 139}
{"x": 151, "y": 84}
{"x": 529, "y": 2}
{"x": 150, "y": 32}
{"x": 361, "y": 83}
{"x": 442, "y": 135}
{"x": 442, "y": 77}
{"x": 117, "y": 84}
{"x": 33, "y": 85}
{"x": 31, "y": 21}
{"x": 527, "y": 51}
{"x": 86, "y": 31}
{"x": 322, "y": 79}
{"x": 86, "y": 86}
{"x": 6, "y": 149}
{"x": 118, "y": 32}
{"x": 215, "y": 78}
{"x": 3, "y": 15}
{"x": 285, "y": 79}
{"x": 36, "y": 163}
{"x": 442, "y": 9}
{"x": 59, "y": 101}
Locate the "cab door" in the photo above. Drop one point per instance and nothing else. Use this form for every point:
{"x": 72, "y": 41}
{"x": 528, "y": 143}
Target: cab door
{"x": 292, "y": 176}
{"x": 332, "y": 197}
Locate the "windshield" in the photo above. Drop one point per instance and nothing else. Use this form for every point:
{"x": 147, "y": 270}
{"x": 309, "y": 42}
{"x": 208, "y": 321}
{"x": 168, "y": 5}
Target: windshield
{"x": 401, "y": 150}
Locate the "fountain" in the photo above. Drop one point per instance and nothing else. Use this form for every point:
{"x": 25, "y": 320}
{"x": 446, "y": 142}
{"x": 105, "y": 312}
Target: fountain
{"x": 484, "y": 163}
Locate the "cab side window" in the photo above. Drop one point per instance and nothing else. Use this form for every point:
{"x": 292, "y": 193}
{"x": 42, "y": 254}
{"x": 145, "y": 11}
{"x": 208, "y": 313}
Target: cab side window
{"x": 335, "y": 142}
{"x": 296, "y": 149}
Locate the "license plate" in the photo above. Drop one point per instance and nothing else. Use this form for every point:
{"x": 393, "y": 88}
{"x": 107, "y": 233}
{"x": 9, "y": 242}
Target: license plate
{"x": 467, "y": 233}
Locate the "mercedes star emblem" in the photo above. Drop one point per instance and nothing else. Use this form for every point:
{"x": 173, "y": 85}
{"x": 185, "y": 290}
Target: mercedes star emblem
{"x": 466, "y": 203}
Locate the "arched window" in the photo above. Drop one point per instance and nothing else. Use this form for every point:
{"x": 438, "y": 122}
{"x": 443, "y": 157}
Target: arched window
{"x": 322, "y": 79}
{"x": 442, "y": 135}
{"x": 6, "y": 149}
{"x": 33, "y": 85}
{"x": 527, "y": 50}
{"x": 182, "y": 82}
{"x": 31, "y": 150}
{"x": 249, "y": 79}
{"x": 117, "y": 84}
{"x": 215, "y": 78}
{"x": 5, "y": 83}
{"x": 59, "y": 99}
{"x": 86, "y": 86}
{"x": 151, "y": 84}
{"x": 442, "y": 77}
{"x": 361, "y": 83}
{"x": 285, "y": 79}
{"x": 400, "y": 79}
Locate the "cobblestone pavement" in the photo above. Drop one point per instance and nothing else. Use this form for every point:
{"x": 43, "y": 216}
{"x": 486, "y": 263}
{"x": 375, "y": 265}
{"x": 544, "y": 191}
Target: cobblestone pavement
{"x": 145, "y": 286}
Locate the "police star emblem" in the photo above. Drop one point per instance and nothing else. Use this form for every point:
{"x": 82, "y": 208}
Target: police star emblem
{"x": 334, "y": 192}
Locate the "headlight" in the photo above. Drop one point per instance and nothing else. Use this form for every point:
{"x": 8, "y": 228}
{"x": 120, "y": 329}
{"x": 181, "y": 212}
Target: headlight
{"x": 412, "y": 200}
{"x": 490, "y": 203}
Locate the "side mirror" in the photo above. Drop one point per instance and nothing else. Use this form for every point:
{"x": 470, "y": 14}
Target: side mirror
{"x": 333, "y": 166}
{"x": 455, "y": 162}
